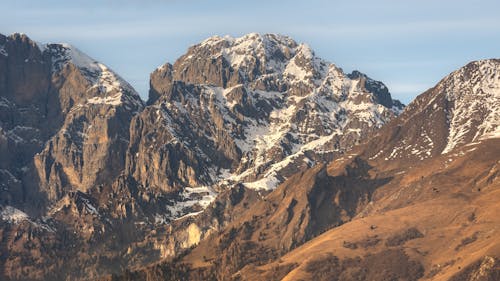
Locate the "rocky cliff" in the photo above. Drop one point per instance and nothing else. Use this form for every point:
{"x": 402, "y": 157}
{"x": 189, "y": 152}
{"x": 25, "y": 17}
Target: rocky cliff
{"x": 64, "y": 129}
{"x": 65, "y": 121}
{"x": 417, "y": 200}
{"x": 88, "y": 171}
{"x": 251, "y": 110}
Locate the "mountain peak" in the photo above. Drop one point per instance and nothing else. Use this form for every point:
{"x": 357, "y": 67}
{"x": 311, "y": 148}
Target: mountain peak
{"x": 267, "y": 38}
{"x": 105, "y": 80}
{"x": 270, "y": 106}
{"x": 462, "y": 109}
{"x": 474, "y": 92}
{"x": 64, "y": 53}
{"x": 109, "y": 87}
{"x": 379, "y": 90}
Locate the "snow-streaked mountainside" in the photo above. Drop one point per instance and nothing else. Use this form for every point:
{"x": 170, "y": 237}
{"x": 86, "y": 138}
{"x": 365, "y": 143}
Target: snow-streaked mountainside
{"x": 87, "y": 170}
{"x": 416, "y": 200}
{"x": 282, "y": 108}
{"x": 474, "y": 92}
{"x": 463, "y": 109}
{"x": 83, "y": 161}
{"x": 63, "y": 121}
{"x": 111, "y": 87}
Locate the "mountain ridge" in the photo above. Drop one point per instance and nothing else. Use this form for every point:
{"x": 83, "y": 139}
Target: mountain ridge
{"x": 107, "y": 165}
{"x": 378, "y": 237}
{"x": 246, "y": 149}
{"x": 247, "y": 64}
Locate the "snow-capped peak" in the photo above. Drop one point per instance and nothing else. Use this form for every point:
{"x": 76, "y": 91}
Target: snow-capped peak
{"x": 258, "y": 58}
{"x": 251, "y": 39}
{"x": 474, "y": 92}
{"x": 112, "y": 88}
{"x": 283, "y": 107}
{"x": 240, "y": 51}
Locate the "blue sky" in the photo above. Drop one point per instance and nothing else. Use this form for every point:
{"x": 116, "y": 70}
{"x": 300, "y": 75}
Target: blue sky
{"x": 408, "y": 44}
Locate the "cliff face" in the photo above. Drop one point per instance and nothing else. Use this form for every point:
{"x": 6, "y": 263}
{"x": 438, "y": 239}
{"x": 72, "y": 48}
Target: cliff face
{"x": 65, "y": 120}
{"x": 254, "y": 109}
{"x": 417, "y": 200}
{"x": 64, "y": 130}
{"x": 87, "y": 170}
{"x": 90, "y": 147}
{"x": 25, "y": 126}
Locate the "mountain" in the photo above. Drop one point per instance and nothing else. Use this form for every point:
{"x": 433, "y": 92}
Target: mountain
{"x": 64, "y": 130}
{"x": 253, "y": 159}
{"x": 64, "y": 123}
{"x": 94, "y": 181}
{"x": 416, "y": 200}
{"x": 461, "y": 109}
{"x": 251, "y": 110}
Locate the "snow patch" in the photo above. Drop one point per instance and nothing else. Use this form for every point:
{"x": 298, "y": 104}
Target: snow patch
{"x": 3, "y": 52}
{"x": 16, "y": 216}
{"x": 476, "y": 103}
{"x": 200, "y": 196}
{"x": 99, "y": 75}
{"x": 13, "y": 215}
{"x": 112, "y": 100}
{"x": 266, "y": 183}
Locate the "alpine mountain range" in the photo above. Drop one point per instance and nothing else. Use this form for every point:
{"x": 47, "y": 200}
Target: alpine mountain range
{"x": 252, "y": 159}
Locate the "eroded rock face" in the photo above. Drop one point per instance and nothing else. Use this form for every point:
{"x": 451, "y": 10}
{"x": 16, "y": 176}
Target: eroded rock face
{"x": 25, "y": 73}
{"x": 24, "y": 116}
{"x": 94, "y": 171}
{"x": 254, "y": 109}
{"x": 484, "y": 269}
{"x": 90, "y": 147}
{"x": 64, "y": 122}
{"x": 432, "y": 169}
{"x": 64, "y": 133}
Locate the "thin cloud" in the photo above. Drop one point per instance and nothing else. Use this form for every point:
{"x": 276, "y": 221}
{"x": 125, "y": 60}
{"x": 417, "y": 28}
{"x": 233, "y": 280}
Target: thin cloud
{"x": 402, "y": 28}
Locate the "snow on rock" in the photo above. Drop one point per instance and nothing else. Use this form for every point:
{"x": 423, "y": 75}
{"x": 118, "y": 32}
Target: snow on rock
{"x": 310, "y": 108}
{"x": 193, "y": 200}
{"x": 265, "y": 183}
{"x": 3, "y": 52}
{"x": 474, "y": 91}
{"x": 16, "y": 216}
{"x": 89, "y": 207}
{"x": 112, "y": 89}
{"x": 12, "y": 215}
{"x": 112, "y": 100}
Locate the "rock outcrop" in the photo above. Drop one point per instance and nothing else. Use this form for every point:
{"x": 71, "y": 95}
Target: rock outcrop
{"x": 64, "y": 122}
{"x": 250, "y": 110}
{"x": 64, "y": 130}
{"x": 89, "y": 171}
{"x": 416, "y": 200}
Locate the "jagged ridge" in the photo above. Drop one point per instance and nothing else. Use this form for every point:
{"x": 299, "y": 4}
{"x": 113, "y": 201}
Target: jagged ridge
{"x": 265, "y": 105}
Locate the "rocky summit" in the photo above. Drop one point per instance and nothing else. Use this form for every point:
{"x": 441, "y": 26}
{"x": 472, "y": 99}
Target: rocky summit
{"x": 416, "y": 200}
{"x": 252, "y": 159}
{"x": 255, "y": 109}
{"x": 64, "y": 122}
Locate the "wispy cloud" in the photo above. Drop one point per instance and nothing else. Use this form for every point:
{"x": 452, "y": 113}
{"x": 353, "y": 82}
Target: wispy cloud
{"x": 119, "y": 29}
{"x": 402, "y": 28}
